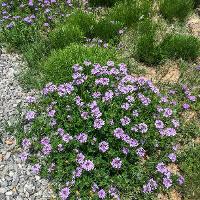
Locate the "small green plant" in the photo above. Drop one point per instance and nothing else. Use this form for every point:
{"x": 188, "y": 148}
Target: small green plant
{"x": 85, "y": 21}
{"x": 107, "y": 30}
{"x": 65, "y": 34}
{"x": 35, "y": 51}
{"x": 20, "y": 35}
{"x": 147, "y": 47}
{"x": 181, "y": 46}
{"x": 178, "y": 9}
{"x": 102, "y": 2}
{"x": 189, "y": 165}
{"x": 56, "y": 67}
{"x": 130, "y": 12}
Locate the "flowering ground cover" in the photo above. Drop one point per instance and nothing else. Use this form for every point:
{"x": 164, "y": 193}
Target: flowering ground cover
{"x": 96, "y": 130}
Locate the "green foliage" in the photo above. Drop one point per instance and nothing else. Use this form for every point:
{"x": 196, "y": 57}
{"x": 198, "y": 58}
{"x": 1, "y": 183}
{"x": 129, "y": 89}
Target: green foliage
{"x": 65, "y": 34}
{"x": 196, "y": 3}
{"x": 60, "y": 132}
{"x": 35, "y": 51}
{"x": 107, "y": 30}
{"x": 179, "y": 9}
{"x": 102, "y": 2}
{"x": 147, "y": 48}
{"x": 85, "y": 21}
{"x": 57, "y": 67}
{"x": 130, "y": 11}
{"x": 20, "y": 35}
{"x": 181, "y": 46}
{"x": 190, "y": 160}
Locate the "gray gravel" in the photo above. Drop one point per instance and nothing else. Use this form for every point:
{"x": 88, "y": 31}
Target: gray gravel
{"x": 16, "y": 180}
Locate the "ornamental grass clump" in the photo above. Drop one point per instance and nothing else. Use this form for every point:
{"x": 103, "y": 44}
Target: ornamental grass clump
{"x": 102, "y": 134}
{"x": 176, "y": 9}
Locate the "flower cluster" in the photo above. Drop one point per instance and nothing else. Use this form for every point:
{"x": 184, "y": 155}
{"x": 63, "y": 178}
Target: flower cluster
{"x": 103, "y": 123}
{"x": 33, "y": 12}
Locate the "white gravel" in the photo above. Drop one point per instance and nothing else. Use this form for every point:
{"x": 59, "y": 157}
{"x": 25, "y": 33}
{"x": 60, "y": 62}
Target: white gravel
{"x": 16, "y": 179}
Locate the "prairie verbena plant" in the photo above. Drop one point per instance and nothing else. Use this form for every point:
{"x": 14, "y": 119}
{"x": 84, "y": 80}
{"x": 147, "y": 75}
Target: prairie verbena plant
{"x": 103, "y": 134}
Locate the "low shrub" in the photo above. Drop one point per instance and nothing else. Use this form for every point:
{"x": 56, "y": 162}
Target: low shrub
{"x": 101, "y": 134}
{"x": 35, "y": 51}
{"x": 190, "y": 167}
{"x": 84, "y": 20}
{"x": 181, "y": 46}
{"x": 130, "y": 12}
{"x": 179, "y": 9}
{"x": 65, "y": 34}
{"x": 147, "y": 46}
{"x": 56, "y": 67}
{"x": 20, "y": 35}
{"x": 107, "y": 30}
{"x": 97, "y": 3}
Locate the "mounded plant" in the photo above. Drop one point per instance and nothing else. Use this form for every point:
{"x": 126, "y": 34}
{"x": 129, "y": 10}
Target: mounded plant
{"x": 107, "y": 30}
{"x": 181, "y": 46}
{"x": 147, "y": 45}
{"x": 130, "y": 12}
{"x": 84, "y": 20}
{"x": 102, "y": 134}
{"x": 176, "y": 9}
{"x": 56, "y": 67}
{"x": 102, "y": 2}
{"x": 65, "y": 34}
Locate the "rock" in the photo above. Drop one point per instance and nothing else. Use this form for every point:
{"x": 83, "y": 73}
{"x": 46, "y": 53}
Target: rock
{"x": 9, "y": 193}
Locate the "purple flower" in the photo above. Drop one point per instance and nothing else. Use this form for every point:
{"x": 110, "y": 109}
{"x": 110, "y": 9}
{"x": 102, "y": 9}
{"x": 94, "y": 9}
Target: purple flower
{"x": 110, "y": 63}
{"x": 66, "y": 137}
{"x": 116, "y": 163}
{"x": 103, "y": 146}
{"x": 36, "y": 168}
{"x": 168, "y": 132}
{"x": 85, "y": 115}
{"x": 96, "y": 95}
{"x": 118, "y": 132}
{"x": 143, "y": 127}
{"x": 51, "y": 113}
{"x": 175, "y": 123}
{"x": 125, "y": 150}
{"x": 88, "y": 165}
{"x": 78, "y": 171}
{"x": 161, "y": 168}
{"x": 82, "y": 137}
{"x": 46, "y": 150}
{"x": 95, "y": 187}
{"x": 181, "y": 180}
{"x": 125, "y": 121}
{"x": 60, "y": 147}
{"x": 150, "y": 186}
{"x": 23, "y": 156}
{"x": 140, "y": 152}
{"x": 125, "y": 106}
{"x": 102, "y": 194}
{"x": 135, "y": 113}
{"x": 172, "y": 157}
{"x": 98, "y": 123}
{"x": 64, "y": 193}
{"x": 26, "y": 143}
{"x": 159, "y": 124}
{"x": 45, "y": 141}
{"x": 167, "y": 182}
{"x": 30, "y": 99}
{"x": 167, "y": 112}
{"x": 30, "y": 115}
{"x": 80, "y": 158}
{"x": 186, "y": 106}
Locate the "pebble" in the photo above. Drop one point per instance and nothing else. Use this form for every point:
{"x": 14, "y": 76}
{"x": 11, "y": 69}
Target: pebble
{"x": 16, "y": 180}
